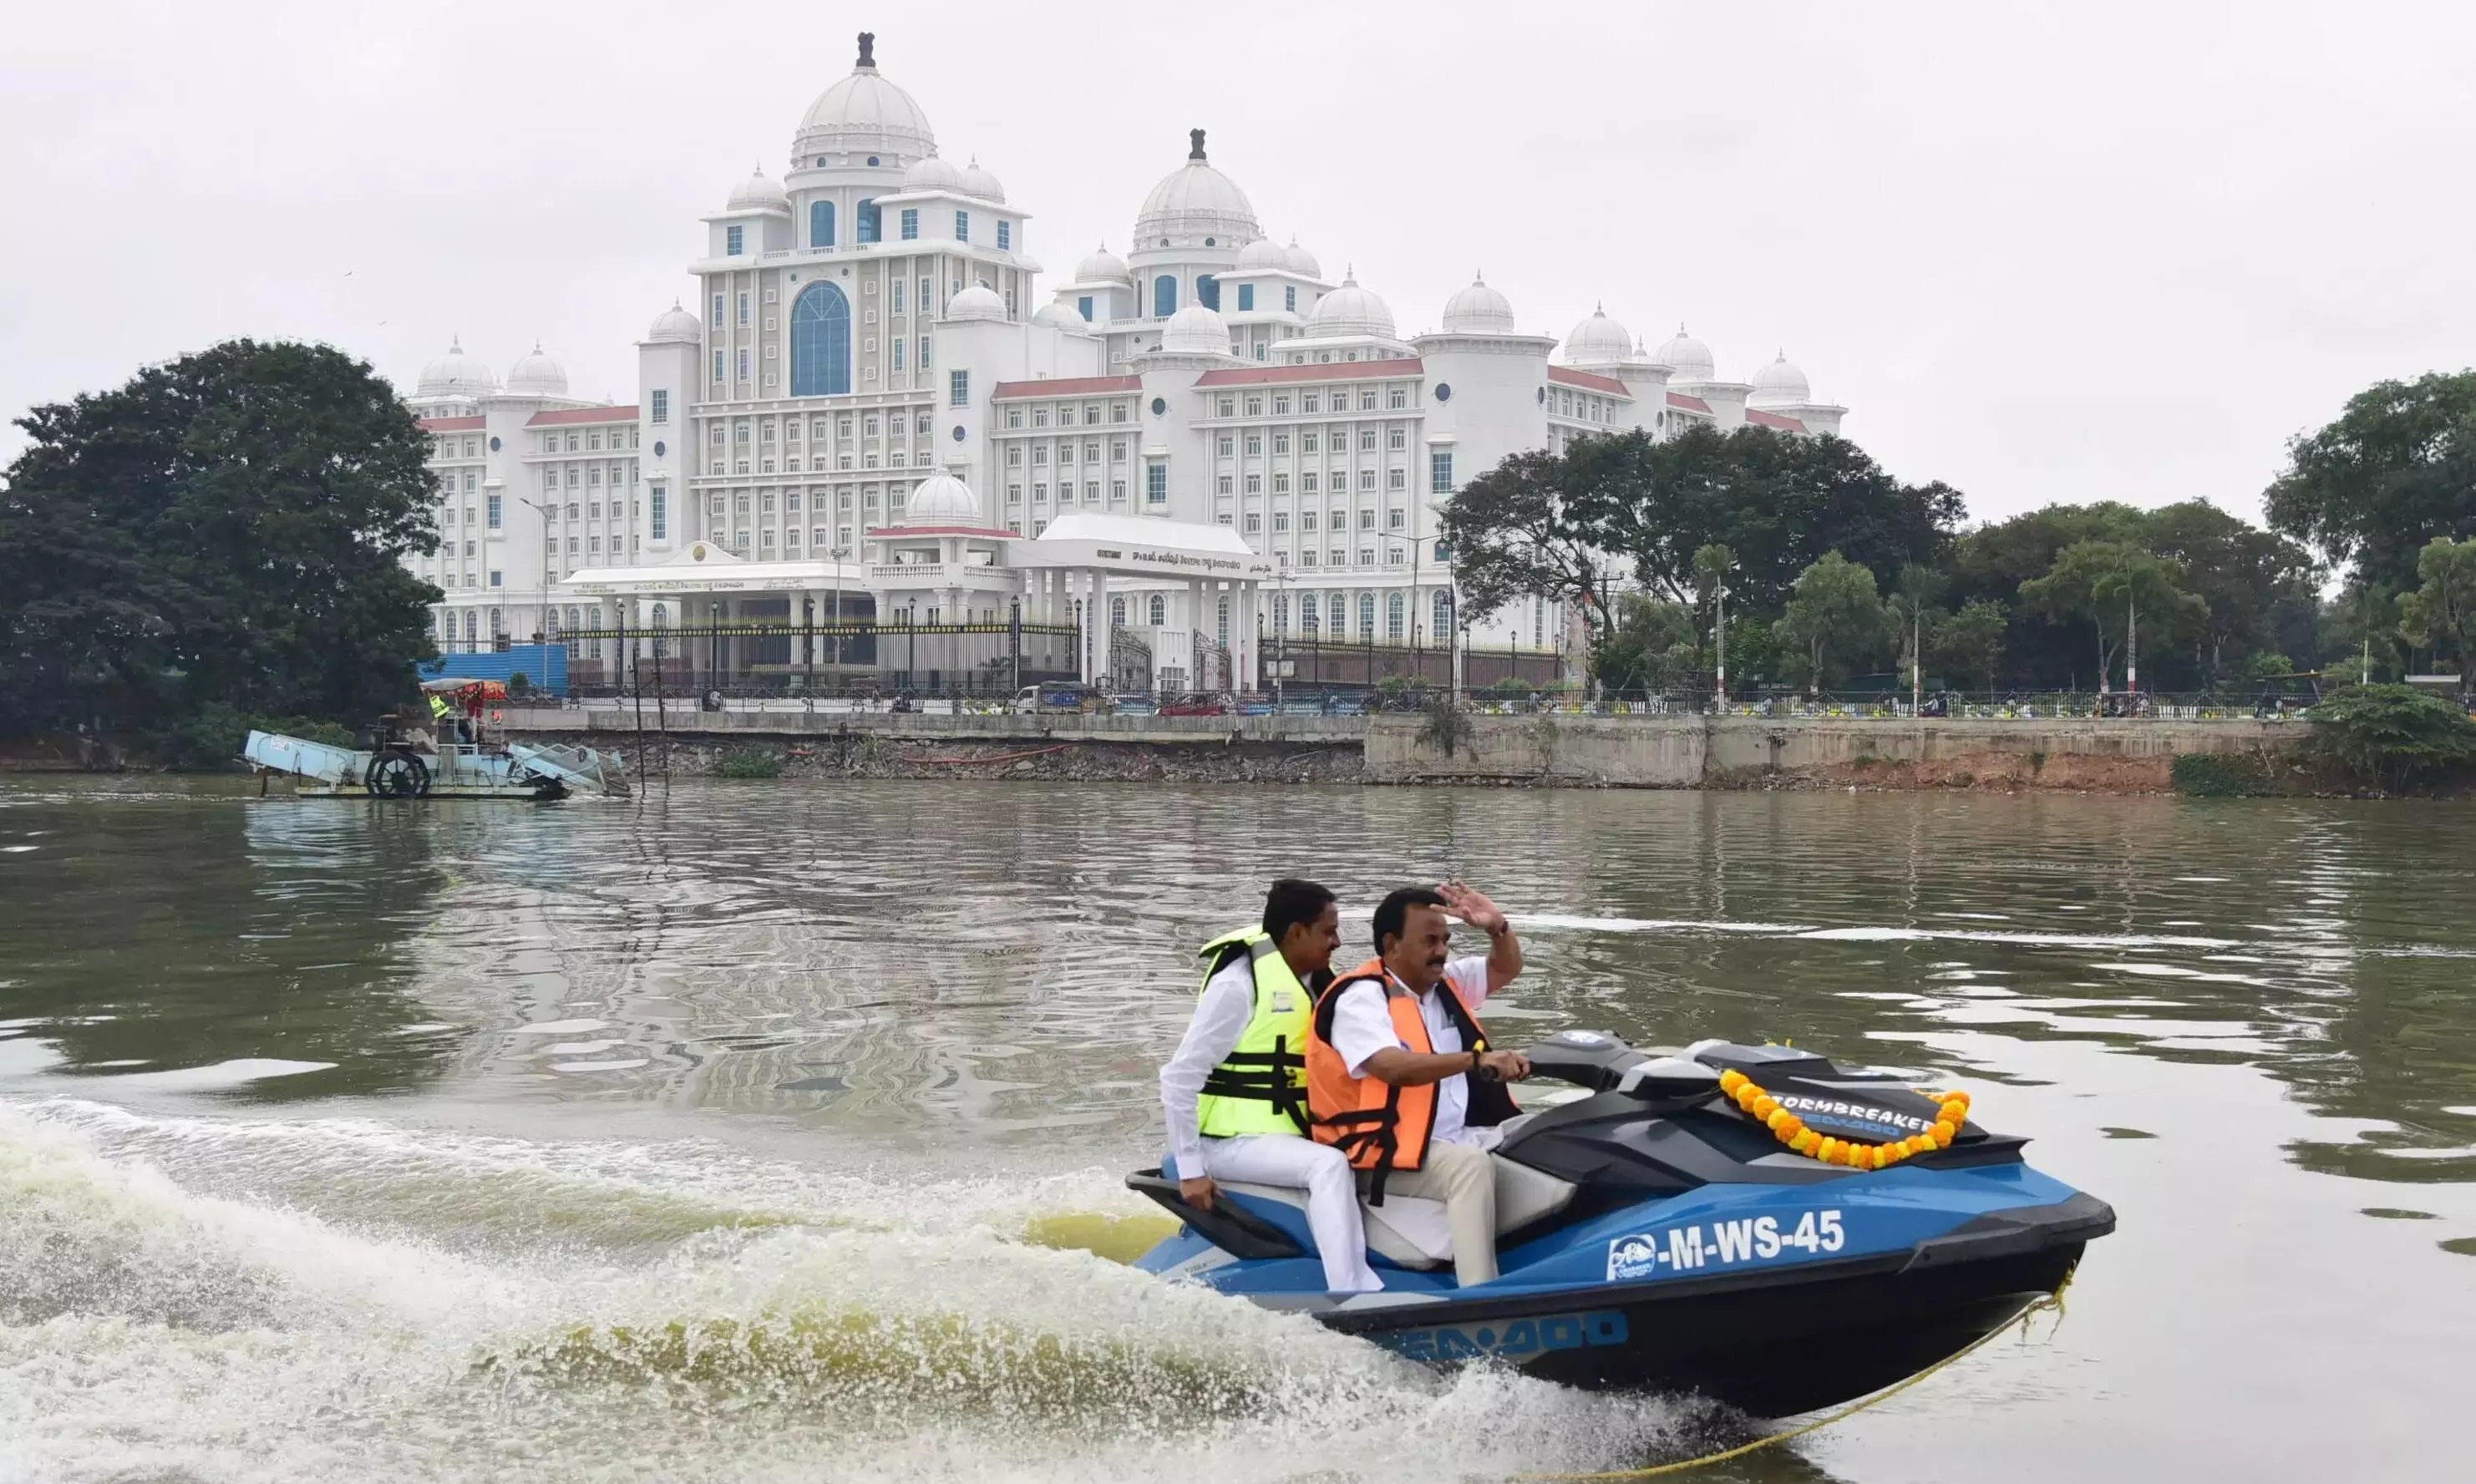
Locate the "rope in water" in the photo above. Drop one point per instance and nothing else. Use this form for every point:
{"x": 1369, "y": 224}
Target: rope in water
{"x": 2053, "y": 1301}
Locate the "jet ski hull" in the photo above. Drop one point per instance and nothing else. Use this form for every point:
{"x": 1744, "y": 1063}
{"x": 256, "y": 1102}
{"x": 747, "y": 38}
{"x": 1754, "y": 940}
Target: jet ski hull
{"x": 1770, "y": 1342}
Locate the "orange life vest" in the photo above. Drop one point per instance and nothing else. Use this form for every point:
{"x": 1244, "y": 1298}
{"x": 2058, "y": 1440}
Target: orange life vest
{"x": 1382, "y": 1126}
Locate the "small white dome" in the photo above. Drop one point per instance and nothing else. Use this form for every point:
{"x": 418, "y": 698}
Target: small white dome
{"x": 1351, "y": 310}
{"x": 1780, "y": 384}
{"x": 863, "y": 114}
{"x": 942, "y": 500}
{"x": 1057, "y": 317}
{"x": 1103, "y": 266}
{"x": 933, "y": 173}
{"x": 1194, "y": 200}
{"x": 1598, "y": 341}
{"x": 537, "y": 375}
{"x": 1686, "y": 358}
{"x": 674, "y": 324}
{"x": 1194, "y": 330}
{"x": 1478, "y": 309}
{"x": 978, "y": 302}
{"x": 1303, "y": 261}
{"x": 455, "y": 375}
{"x": 1263, "y": 254}
{"x": 978, "y": 181}
{"x": 756, "y": 193}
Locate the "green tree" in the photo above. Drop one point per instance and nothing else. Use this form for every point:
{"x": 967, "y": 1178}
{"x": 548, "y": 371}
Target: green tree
{"x": 1528, "y": 528}
{"x": 1713, "y": 565}
{"x": 1920, "y": 589}
{"x": 1968, "y": 645}
{"x": 1835, "y": 617}
{"x": 1652, "y": 648}
{"x": 2440, "y": 615}
{"x": 2110, "y": 584}
{"x": 228, "y": 528}
{"x": 2394, "y": 735}
{"x": 1990, "y": 562}
{"x": 2261, "y": 588}
{"x": 2396, "y": 469}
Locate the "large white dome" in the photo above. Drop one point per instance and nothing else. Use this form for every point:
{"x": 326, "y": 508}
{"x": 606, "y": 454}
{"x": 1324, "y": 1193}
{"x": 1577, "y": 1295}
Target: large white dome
{"x": 942, "y": 500}
{"x": 1351, "y": 310}
{"x": 1103, "y": 266}
{"x": 1195, "y": 201}
{"x": 1597, "y": 340}
{"x": 537, "y": 375}
{"x": 978, "y": 181}
{"x": 933, "y": 173}
{"x": 675, "y": 326}
{"x": 455, "y": 375}
{"x": 1478, "y": 309}
{"x": 1057, "y": 317}
{"x": 863, "y": 114}
{"x": 1263, "y": 254}
{"x": 978, "y": 302}
{"x": 1194, "y": 330}
{"x": 756, "y": 193}
{"x": 1686, "y": 358}
{"x": 1780, "y": 384}
{"x": 1303, "y": 261}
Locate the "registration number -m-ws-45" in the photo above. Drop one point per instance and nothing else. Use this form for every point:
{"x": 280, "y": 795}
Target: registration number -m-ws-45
{"x": 1723, "y": 1244}
{"x": 1516, "y": 1341}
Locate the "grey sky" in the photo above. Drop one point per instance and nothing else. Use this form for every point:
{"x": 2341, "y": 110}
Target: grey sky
{"x": 2045, "y": 252}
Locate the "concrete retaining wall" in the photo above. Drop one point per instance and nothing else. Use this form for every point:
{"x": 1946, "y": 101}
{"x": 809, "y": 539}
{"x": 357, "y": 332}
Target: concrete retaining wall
{"x": 1631, "y": 751}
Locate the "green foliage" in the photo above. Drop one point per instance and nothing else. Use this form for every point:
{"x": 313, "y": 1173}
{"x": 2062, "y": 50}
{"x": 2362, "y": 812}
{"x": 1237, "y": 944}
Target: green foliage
{"x": 1513, "y": 686}
{"x": 1906, "y": 611}
{"x": 2440, "y": 615}
{"x": 2394, "y": 735}
{"x": 748, "y": 762}
{"x": 2221, "y": 774}
{"x": 1446, "y": 729}
{"x": 210, "y": 738}
{"x": 1966, "y": 646}
{"x": 226, "y": 529}
{"x": 1653, "y": 647}
{"x": 1527, "y": 528}
{"x": 2395, "y": 470}
{"x": 2112, "y": 585}
{"x": 1835, "y": 617}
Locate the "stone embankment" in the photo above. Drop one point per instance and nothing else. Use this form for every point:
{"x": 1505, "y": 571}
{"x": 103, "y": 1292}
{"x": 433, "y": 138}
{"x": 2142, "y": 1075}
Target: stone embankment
{"x": 1551, "y": 751}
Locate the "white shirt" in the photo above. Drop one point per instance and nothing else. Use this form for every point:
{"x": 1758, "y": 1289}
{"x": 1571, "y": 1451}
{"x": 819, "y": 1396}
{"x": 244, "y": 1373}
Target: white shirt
{"x": 1220, "y": 1018}
{"x": 1362, "y": 1026}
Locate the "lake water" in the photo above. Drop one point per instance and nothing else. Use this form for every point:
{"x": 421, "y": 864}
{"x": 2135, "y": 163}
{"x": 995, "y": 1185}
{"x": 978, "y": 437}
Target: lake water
{"x": 775, "y": 1132}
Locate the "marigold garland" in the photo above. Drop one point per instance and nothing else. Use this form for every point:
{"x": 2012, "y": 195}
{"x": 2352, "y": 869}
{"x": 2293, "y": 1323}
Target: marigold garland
{"x": 1790, "y": 1130}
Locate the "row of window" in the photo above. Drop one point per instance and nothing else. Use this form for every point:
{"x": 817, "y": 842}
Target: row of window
{"x": 1311, "y": 440}
{"x": 1065, "y": 453}
{"x": 587, "y": 441}
{"x": 620, "y": 474}
{"x": 1039, "y": 416}
{"x": 819, "y": 428}
{"x": 1331, "y": 612}
{"x": 1391, "y": 398}
{"x": 1310, "y": 482}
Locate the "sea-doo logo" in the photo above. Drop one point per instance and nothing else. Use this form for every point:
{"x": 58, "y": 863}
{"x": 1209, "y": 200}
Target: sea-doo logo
{"x": 1633, "y": 1257}
{"x": 1521, "y": 1339}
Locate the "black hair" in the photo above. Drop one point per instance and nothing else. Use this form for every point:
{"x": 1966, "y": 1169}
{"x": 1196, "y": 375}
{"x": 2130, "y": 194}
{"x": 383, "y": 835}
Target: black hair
{"x": 1291, "y": 902}
{"x": 1393, "y": 913}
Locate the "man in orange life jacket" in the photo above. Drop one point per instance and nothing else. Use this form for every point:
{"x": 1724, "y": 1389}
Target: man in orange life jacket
{"x": 1400, "y": 1076}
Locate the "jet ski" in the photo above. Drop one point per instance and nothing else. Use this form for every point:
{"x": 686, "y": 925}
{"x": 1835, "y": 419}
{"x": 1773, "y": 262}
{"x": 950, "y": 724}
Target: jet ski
{"x": 1655, "y": 1235}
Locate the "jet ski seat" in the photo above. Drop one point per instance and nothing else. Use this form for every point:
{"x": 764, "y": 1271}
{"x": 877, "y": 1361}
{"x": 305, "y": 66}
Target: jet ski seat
{"x": 1410, "y": 1231}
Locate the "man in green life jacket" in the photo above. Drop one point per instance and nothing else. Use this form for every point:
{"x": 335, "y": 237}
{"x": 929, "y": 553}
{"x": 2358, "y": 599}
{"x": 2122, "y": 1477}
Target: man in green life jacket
{"x": 1235, "y": 1091}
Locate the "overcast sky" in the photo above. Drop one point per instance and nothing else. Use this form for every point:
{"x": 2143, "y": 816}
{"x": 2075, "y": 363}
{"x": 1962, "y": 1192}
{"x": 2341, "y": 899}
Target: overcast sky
{"x": 2045, "y": 252}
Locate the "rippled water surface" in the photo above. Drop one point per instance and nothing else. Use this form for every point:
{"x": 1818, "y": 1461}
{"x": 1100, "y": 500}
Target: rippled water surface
{"x": 775, "y": 1132}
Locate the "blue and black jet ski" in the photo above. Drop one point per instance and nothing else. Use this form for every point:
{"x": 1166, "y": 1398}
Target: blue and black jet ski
{"x": 1653, "y": 1236}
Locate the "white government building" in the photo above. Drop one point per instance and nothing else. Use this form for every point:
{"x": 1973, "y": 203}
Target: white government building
{"x": 872, "y": 412}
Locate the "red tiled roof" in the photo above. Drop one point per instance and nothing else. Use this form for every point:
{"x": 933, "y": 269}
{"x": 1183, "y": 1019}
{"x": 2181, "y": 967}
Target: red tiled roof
{"x": 583, "y": 415}
{"x": 1569, "y": 377}
{"x": 1337, "y": 371}
{"x": 453, "y": 424}
{"x": 1762, "y": 419}
{"x": 1069, "y": 386}
{"x": 1679, "y": 399}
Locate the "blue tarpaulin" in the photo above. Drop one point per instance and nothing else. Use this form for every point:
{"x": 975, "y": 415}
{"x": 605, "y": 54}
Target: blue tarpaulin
{"x": 544, "y": 665}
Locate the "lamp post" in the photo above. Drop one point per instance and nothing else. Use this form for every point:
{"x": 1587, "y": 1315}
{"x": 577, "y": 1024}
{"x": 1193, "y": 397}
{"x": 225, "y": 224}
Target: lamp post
{"x": 1720, "y": 602}
{"x": 541, "y": 598}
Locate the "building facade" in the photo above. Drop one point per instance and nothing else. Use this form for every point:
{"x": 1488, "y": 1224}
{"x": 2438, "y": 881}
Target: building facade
{"x": 870, "y": 320}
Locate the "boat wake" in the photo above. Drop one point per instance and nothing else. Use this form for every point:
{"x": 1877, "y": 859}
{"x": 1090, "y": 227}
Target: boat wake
{"x": 216, "y": 1299}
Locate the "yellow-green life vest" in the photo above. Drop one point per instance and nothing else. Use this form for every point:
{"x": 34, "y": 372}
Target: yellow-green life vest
{"x": 1261, "y": 1087}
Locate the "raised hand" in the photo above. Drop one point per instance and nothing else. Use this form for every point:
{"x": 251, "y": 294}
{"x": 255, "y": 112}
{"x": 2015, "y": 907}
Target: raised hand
{"x": 1464, "y": 901}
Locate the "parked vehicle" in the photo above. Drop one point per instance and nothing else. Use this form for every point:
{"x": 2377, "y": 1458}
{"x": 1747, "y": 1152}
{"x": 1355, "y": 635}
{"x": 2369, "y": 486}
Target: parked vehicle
{"x": 1067, "y": 695}
{"x": 1197, "y": 703}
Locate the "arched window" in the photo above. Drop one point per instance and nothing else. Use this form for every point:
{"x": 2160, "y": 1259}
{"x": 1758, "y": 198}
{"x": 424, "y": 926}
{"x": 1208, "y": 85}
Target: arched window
{"x": 1224, "y": 622}
{"x": 1444, "y": 613}
{"x": 1165, "y": 296}
{"x": 1117, "y": 612}
{"x": 1208, "y": 291}
{"x": 498, "y": 624}
{"x": 821, "y": 224}
{"x": 1366, "y": 615}
{"x": 1396, "y": 608}
{"x": 821, "y": 344}
{"x": 1159, "y": 612}
{"x": 662, "y": 621}
{"x": 1280, "y": 614}
{"x": 550, "y": 627}
{"x": 472, "y": 629}
{"x": 868, "y": 223}
{"x": 1308, "y": 623}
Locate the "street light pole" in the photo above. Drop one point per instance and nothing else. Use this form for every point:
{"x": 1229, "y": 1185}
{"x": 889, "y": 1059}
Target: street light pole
{"x": 541, "y": 598}
{"x": 1720, "y": 598}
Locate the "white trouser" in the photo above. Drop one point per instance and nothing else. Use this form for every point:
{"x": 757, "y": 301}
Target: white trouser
{"x": 1323, "y": 1172}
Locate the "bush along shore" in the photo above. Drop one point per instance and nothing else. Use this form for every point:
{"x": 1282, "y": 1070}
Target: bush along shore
{"x": 862, "y": 757}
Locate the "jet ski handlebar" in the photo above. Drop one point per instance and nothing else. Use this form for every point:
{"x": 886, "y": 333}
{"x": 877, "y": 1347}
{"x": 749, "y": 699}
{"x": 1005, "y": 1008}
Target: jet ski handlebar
{"x": 1603, "y": 1063}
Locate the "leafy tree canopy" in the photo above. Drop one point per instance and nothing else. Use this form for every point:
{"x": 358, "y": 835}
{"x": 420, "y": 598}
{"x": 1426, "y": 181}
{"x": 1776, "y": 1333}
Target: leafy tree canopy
{"x": 2440, "y": 615}
{"x": 2396, "y": 469}
{"x": 1836, "y": 616}
{"x": 225, "y": 530}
